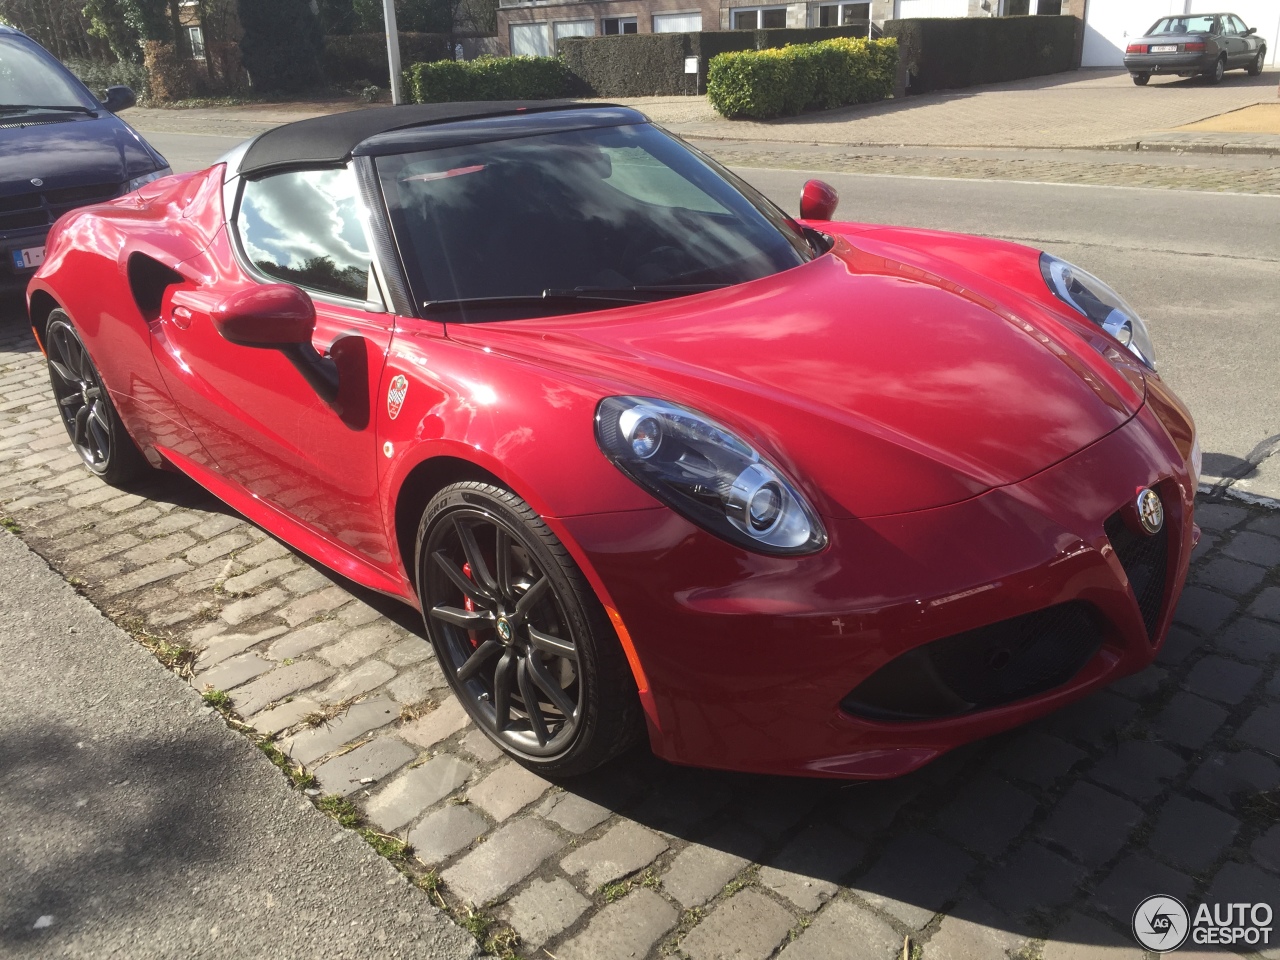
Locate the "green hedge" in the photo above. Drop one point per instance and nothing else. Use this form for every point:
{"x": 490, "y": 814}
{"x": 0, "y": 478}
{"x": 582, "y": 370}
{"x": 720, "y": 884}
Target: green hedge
{"x": 363, "y": 56}
{"x": 942, "y": 54}
{"x": 97, "y": 75}
{"x": 762, "y": 84}
{"x": 652, "y": 64}
{"x": 489, "y": 78}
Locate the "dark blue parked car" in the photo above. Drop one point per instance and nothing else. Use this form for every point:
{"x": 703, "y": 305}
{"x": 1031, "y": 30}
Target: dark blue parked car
{"x": 60, "y": 148}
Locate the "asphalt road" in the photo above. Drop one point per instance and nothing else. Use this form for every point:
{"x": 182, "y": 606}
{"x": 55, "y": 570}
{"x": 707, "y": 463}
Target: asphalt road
{"x": 1202, "y": 268}
{"x": 135, "y": 824}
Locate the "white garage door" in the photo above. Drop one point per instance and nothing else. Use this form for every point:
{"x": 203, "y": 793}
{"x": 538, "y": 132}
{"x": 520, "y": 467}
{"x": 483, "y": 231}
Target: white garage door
{"x": 677, "y": 22}
{"x": 1263, "y": 14}
{"x": 530, "y": 40}
{"x": 1108, "y": 25}
{"x": 931, "y": 8}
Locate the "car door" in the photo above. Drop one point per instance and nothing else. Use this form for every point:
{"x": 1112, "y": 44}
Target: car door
{"x": 266, "y": 428}
{"x": 1232, "y": 42}
{"x": 1248, "y": 42}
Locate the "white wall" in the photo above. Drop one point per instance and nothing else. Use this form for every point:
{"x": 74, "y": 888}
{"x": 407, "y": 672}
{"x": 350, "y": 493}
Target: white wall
{"x": 1263, "y": 14}
{"x": 931, "y": 8}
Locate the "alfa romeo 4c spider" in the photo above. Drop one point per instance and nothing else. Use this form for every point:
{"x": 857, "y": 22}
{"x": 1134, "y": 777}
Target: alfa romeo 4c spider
{"x": 793, "y": 496}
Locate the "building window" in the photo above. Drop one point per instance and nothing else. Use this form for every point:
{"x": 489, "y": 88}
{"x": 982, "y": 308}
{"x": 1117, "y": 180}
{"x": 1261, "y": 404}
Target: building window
{"x": 530, "y": 40}
{"x": 842, "y": 14}
{"x": 573, "y": 28}
{"x": 1023, "y": 8}
{"x": 196, "y": 38}
{"x": 677, "y": 22}
{"x": 611, "y": 26}
{"x": 757, "y": 18}
{"x": 1049, "y": 8}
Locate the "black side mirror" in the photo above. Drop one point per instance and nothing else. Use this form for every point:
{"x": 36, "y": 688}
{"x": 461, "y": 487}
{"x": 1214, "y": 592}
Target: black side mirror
{"x": 1250, "y": 31}
{"x": 119, "y": 98}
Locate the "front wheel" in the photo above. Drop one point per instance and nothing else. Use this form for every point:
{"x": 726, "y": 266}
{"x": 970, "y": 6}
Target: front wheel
{"x": 1219, "y": 70}
{"x": 521, "y": 638}
{"x": 1255, "y": 67}
{"x": 1141, "y": 78}
{"x": 95, "y": 428}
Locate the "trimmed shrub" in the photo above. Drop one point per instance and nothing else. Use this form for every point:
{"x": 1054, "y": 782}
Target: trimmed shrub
{"x": 489, "y": 78}
{"x": 98, "y": 75}
{"x": 945, "y": 53}
{"x": 169, "y": 76}
{"x": 780, "y": 82}
{"x": 363, "y": 56}
{"x": 281, "y": 46}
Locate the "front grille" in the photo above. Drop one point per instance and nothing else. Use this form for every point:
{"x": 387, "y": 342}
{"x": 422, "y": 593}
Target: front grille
{"x": 1146, "y": 562}
{"x": 982, "y": 668}
{"x": 40, "y": 209}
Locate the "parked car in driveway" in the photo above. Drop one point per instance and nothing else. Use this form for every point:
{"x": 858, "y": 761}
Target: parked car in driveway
{"x": 1204, "y": 43}
{"x": 60, "y": 148}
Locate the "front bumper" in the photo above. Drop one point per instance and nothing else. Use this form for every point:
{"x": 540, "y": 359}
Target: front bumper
{"x": 748, "y": 657}
{"x": 13, "y": 280}
{"x": 1180, "y": 63}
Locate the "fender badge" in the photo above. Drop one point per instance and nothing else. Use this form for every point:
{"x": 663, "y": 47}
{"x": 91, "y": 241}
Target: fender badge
{"x": 37, "y": 182}
{"x": 1150, "y": 511}
{"x": 396, "y": 393}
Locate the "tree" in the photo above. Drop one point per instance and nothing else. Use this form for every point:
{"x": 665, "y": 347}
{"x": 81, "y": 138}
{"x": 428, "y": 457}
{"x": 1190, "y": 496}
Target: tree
{"x": 282, "y": 44}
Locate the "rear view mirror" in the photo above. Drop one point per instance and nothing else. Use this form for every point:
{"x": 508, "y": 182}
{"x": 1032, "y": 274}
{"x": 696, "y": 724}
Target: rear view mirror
{"x": 119, "y": 98}
{"x": 273, "y": 315}
{"x": 818, "y": 201}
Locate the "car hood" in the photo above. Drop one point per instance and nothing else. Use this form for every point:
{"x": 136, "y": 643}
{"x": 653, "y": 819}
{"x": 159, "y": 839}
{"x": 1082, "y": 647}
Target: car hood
{"x": 879, "y": 384}
{"x": 70, "y": 153}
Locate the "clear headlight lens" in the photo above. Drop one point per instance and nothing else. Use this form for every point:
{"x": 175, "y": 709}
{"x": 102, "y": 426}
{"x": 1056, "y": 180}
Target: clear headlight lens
{"x": 146, "y": 178}
{"x": 1091, "y": 297}
{"x": 706, "y": 473}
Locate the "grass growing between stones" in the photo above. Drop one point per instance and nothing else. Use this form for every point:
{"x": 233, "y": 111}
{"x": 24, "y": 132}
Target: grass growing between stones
{"x": 1261, "y": 808}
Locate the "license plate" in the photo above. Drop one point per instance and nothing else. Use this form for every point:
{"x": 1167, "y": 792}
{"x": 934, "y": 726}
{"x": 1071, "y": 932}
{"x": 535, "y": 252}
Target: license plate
{"x": 28, "y": 258}
{"x": 1165, "y": 48}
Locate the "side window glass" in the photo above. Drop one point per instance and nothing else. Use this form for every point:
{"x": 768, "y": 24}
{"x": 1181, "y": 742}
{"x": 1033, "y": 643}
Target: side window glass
{"x": 1239, "y": 25}
{"x": 304, "y": 227}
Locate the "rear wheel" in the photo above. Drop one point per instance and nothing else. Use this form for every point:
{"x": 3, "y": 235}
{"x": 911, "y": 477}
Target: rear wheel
{"x": 92, "y": 422}
{"x": 1255, "y": 67}
{"x": 1141, "y": 78}
{"x": 519, "y": 633}
{"x": 1219, "y": 70}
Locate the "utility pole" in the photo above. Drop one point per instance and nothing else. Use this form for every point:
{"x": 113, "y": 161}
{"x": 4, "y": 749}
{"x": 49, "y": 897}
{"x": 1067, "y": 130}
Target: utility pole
{"x": 393, "y": 48}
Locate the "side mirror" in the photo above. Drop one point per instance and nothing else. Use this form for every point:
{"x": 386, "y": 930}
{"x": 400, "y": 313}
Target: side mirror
{"x": 273, "y": 315}
{"x": 1251, "y": 31}
{"x": 818, "y": 201}
{"x": 119, "y": 98}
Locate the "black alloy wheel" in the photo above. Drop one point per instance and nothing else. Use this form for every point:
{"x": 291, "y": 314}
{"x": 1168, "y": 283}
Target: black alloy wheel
{"x": 519, "y": 634}
{"x": 85, "y": 406}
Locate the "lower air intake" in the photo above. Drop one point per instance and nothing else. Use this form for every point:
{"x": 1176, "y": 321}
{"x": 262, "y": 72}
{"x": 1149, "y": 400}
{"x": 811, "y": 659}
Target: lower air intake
{"x": 982, "y": 668}
{"x": 1146, "y": 562}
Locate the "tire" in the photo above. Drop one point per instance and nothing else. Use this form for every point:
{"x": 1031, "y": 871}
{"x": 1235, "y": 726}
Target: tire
{"x": 1141, "y": 78}
{"x": 500, "y": 650}
{"x": 1258, "y": 62}
{"x": 1219, "y": 70}
{"x": 85, "y": 406}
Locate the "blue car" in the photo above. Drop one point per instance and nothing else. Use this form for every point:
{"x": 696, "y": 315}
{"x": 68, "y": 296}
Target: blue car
{"x": 60, "y": 148}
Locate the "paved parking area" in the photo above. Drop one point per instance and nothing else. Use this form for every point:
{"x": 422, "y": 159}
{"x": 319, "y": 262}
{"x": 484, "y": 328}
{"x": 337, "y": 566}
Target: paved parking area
{"x": 1035, "y": 844}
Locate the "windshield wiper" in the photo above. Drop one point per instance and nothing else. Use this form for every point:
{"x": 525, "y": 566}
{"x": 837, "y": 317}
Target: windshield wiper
{"x": 10, "y": 107}
{"x": 553, "y": 298}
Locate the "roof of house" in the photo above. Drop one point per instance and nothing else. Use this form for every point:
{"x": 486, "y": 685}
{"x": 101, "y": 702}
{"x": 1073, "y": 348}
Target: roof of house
{"x": 332, "y": 138}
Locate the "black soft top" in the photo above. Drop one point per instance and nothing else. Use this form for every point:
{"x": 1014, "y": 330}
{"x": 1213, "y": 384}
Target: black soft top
{"x": 331, "y": 139}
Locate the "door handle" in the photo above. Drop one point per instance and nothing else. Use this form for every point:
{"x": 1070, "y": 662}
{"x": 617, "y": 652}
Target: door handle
{"x": 181, "y": 317}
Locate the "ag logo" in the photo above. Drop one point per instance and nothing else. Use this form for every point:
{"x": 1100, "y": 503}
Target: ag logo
{"x": 1161, "y": 923}
{"x": 1150, "y": 511}
{"x": 396, "y": 394}
{"x": 37, "y": 182}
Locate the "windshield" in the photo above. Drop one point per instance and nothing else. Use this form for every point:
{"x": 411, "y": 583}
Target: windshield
{"x": 611, "y": 209}
{"x": 1183, "y": 25}
{"x": 28, "y": 79}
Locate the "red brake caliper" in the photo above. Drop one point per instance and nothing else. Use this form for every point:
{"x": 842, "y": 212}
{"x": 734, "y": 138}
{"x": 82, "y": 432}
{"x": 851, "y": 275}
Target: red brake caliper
{"x": 469, "y": 605}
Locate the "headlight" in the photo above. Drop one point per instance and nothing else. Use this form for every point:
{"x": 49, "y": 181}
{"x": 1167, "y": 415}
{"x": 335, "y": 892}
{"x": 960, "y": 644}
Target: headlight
{"x": 1097, "y": 301}
{"x": 146, "y": 178}
{"x": 702, "y": 471}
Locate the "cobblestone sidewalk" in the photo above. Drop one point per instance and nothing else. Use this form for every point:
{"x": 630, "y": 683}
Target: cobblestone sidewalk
{"x": 1035, "y": 844}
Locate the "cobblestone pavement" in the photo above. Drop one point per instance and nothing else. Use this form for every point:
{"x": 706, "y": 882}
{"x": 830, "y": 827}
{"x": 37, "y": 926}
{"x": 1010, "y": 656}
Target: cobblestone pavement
{"x": 1035, "y": 844}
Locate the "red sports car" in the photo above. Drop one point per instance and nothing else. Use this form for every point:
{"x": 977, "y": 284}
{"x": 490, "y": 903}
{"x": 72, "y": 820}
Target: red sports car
{"x": 801, "y": 497}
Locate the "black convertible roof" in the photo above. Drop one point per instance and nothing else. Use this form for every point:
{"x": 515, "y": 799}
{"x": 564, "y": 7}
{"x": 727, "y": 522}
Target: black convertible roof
{"x": 332, "y": 138}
